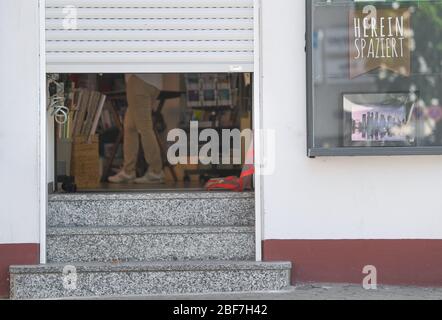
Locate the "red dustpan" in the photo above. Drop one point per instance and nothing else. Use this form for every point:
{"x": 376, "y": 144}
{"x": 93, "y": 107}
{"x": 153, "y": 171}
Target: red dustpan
{"x": 244, "y": 182}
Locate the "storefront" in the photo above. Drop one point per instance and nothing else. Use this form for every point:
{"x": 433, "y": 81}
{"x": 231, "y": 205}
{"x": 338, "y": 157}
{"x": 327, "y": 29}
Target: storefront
{"x": 200, "y": 58}
{"x": 355, "y": 185}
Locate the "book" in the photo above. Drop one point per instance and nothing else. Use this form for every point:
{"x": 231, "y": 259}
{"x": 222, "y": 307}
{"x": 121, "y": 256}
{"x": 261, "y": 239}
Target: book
{"x": 81, "y": 112}
{"x": 76, "y": 105}
{"x": 90, "y": 112}
{"x": 97, "y": 115}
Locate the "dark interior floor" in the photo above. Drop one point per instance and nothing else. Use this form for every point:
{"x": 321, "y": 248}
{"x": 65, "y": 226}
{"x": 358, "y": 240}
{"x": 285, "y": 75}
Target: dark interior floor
{"x": 167, "y": 187}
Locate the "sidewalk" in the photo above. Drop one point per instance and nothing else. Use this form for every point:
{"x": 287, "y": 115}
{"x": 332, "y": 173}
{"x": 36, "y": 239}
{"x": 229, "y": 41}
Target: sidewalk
{"x": 321, "y": 292}
{"x": 311, "y": 292}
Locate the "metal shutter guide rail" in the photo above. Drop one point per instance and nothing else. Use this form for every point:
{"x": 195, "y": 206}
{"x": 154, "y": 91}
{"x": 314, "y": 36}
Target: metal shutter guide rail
{"x": 150, "y": 36}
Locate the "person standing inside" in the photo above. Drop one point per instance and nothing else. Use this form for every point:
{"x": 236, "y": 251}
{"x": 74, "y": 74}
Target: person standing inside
{"x": 138, "y": 124}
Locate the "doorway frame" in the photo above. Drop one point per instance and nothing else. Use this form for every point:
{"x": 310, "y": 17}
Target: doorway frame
{"x": 43, "y": 134}
{"x": 257, "y": 124}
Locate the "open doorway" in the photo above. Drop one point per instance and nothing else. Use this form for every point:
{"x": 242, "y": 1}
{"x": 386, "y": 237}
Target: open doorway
{"x": 98, "y": 134}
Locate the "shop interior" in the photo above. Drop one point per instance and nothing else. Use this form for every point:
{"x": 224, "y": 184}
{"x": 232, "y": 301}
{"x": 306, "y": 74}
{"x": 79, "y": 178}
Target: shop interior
{"x": 88, "y": 113}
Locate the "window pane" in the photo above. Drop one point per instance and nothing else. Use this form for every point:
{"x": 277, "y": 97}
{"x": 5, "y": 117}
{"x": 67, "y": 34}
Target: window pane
{"x": 376, "y": 74}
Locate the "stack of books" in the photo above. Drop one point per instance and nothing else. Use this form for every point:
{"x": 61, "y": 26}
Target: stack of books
{"x": 87, "y": 107}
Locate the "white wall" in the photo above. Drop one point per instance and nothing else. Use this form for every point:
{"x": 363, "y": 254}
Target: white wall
{"x": 304, "y": 199}
{"x": 19, "y": 107}
{"x": 321, "y": 198}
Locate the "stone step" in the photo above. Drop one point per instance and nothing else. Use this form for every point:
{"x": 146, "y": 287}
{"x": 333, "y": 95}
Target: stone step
{"x": 155, "y": 278}
{"x": 105, "y": 244}
{"x": 151, "y": 209}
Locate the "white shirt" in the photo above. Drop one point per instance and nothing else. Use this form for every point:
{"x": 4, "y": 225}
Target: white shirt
{"x": 153, "y": 79}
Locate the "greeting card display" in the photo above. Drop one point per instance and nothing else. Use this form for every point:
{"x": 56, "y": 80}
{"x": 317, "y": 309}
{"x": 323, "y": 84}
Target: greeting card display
{"x": 208, "y": 90}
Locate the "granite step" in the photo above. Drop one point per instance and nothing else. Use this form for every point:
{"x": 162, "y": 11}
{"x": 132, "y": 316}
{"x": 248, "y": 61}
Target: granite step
{"x": 151, "y": 209}
{"x": 106, "y": 244}
{"x": 155, "y": 278}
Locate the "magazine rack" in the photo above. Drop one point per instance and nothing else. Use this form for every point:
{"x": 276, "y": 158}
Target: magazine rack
{"x": 211, "y": 93}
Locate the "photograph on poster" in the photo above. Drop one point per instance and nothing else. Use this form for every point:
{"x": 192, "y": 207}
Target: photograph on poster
{"x": 372, "y": 121}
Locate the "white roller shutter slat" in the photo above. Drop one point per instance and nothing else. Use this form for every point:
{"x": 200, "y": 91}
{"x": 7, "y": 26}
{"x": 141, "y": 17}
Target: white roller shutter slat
{"x": 155, "y": 13}
{"x": 155, "y": 24}
{"x": 137, "y": 35}
{"x": 140, "y": 57}
{"x": 149, "y": 3}
{"x": 149, "y": 46}
{"x": 145, "y": 35}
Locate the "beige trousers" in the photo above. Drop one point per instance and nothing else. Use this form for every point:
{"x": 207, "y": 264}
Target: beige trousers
{"x": 138, "y": 124}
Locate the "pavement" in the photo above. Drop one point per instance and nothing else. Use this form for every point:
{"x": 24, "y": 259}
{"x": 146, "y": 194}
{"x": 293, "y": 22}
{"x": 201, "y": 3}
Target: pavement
{"x": 318, "y": 292}
{"x": 308, "y": 292}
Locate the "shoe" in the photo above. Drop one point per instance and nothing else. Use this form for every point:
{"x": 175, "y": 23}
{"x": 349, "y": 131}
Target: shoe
{"x": 151, "y": 178}
{"x": 122, "y": 177}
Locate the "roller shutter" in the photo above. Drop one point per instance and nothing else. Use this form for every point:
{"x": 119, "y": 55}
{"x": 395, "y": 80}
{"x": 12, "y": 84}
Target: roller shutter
{"x": 149, "y": 35}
